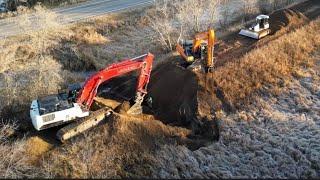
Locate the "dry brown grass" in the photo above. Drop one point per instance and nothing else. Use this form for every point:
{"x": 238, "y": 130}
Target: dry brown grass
{"x": 28, "y": 69}
{"x": 14, "y": 161}
{"x": 121, "y": 148}
{"x": 269, "y": 66}
{"x": 35, "y": 148}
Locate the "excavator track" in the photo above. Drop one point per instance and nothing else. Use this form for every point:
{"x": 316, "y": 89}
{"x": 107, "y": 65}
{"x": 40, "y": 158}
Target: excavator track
{"x": 84, "y": 124}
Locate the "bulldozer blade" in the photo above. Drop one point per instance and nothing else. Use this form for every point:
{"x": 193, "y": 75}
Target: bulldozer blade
{"x": 249, "y": 33}
{"x": 253, "y": 34}
{"x": 84, "y": 124}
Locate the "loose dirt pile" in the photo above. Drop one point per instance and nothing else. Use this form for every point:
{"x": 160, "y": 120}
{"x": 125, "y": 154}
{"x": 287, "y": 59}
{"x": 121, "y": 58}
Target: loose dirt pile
{"x": 286, "y": 18}
{"x": 182, "y": 97}
{"x": 173, "y": 90}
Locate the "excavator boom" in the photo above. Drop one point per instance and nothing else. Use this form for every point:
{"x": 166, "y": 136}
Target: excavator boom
{"x": 91, "y": 86}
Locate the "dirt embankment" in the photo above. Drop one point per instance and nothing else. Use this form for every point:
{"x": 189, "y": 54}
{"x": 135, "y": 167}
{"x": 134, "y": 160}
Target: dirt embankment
{"x": 122, "y": 148}
{"x": 287, "y": 19}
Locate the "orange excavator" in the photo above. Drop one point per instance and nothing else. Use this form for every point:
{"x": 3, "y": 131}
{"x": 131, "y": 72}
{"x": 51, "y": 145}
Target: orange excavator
{"x": 75, "y": 104}
{"x": 201, "y": 47}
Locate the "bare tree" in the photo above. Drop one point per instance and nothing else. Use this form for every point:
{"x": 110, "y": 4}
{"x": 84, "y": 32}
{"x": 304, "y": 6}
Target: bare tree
{"x": 173, "y": 19}
{"x": 161, "y": 21}
{"x": 225, "y": 13}
{"x": 196, "y": 15}
{"x": 248, "y": 9}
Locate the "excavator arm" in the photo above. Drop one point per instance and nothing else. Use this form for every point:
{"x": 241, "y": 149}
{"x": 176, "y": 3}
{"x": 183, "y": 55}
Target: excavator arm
{"x": 209, "y": 38}
{"x": 210, "y": 58}
{"x": 90, "y": 88}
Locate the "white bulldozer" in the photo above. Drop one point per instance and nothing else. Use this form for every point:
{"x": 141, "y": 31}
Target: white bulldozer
{"x": 258, "y": 30}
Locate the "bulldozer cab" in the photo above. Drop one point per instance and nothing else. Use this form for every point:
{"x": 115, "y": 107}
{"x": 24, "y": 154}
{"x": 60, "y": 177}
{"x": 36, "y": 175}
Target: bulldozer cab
{"x": 263, "y": 21}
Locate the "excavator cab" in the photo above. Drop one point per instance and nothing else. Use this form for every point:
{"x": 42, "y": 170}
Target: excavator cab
{"x": 201, "y": 52}
{"x": 186, "y": 47}
{"x": 73, "y": 91}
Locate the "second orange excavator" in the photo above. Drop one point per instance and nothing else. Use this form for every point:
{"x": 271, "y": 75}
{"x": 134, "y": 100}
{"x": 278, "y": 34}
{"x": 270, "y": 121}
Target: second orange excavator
{"x": 200, "y": 48}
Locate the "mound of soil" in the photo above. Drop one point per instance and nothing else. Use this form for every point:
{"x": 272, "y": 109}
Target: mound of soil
{"x": 286, "y": 18}
{"x": 182, "y": 97}
{"x": 173, "y": 90}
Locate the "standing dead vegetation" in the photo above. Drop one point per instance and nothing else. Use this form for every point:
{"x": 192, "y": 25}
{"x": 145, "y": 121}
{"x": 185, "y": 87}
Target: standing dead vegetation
{"x": 172, "y": 20}
{"x": 14, "y": 161}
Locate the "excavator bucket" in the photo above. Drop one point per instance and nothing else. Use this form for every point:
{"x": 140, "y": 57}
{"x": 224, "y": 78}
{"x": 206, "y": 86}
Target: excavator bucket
{"x": 135, "y": 109}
